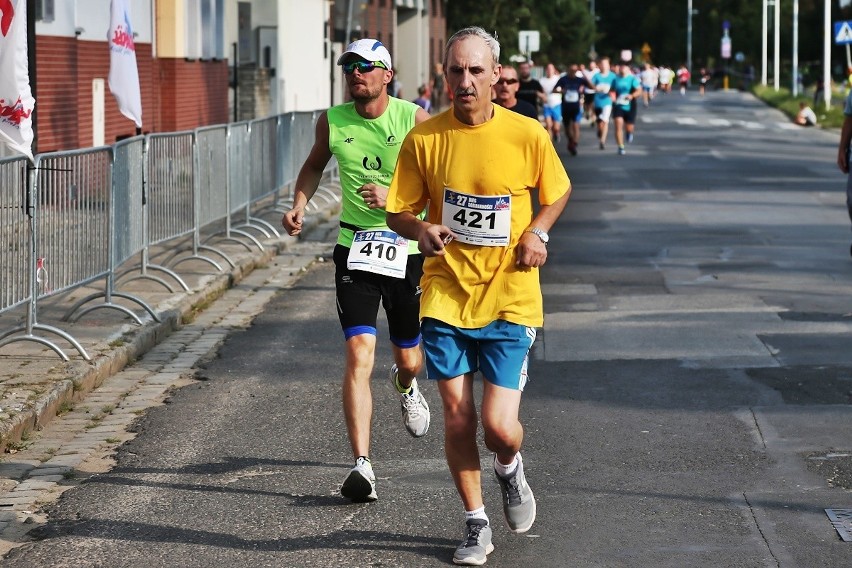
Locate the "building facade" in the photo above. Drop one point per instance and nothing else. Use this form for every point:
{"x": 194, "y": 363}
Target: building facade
{"x": 204, "y": 62}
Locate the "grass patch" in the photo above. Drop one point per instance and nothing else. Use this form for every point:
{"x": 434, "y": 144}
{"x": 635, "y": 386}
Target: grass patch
{"x": 117, "y": 343}
{"x": 18, "y": 446}
{"x": 108, "y": 408}
{"x": 112, "y": 440}
{"x": 65, "y": 408}
{"x": 783, "y": 100}
{"x": 196, "y": 309}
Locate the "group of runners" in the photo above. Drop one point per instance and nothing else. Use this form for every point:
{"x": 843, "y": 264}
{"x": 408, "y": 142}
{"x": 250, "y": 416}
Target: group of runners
{"x": 448, "y": 241}
{"x": 600, "y": 93}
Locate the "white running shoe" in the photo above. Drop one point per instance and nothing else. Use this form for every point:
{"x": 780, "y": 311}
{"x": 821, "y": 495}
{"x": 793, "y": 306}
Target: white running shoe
{"x": 360, "y": 485}
{"x": 415, "y": 410}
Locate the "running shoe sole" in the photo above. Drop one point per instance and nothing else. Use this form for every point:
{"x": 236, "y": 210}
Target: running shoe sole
{"x": 358, "y": 488}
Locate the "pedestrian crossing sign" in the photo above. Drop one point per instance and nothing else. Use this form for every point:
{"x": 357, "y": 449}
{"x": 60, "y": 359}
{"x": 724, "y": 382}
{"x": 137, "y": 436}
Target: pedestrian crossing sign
{"x": 842, "y": 33}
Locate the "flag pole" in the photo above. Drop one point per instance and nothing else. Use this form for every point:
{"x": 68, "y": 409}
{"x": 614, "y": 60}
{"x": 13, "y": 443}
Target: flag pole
{"x": 31, "y": 68}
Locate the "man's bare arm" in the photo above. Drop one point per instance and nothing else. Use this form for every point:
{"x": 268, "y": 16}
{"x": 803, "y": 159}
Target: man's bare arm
{"x": 843, "y": 147}
{"x": 309, "y": 177}
{"x": 531, "y": 251}
{"x": 430, "y": 238}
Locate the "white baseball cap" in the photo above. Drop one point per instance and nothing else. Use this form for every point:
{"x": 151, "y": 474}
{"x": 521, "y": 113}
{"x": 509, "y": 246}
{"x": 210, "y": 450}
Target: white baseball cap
{"x": 370, "y": 49}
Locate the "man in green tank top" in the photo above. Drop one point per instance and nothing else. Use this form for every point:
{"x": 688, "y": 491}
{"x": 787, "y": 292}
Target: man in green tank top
{"x": 372, "y": 263}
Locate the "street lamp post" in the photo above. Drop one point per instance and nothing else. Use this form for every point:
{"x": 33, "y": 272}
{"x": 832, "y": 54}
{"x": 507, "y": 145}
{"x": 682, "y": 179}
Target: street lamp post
{"x": 763, "y": 72}
{"x": 689, "y": 36}
{"x": 795, "y": 48}
{"x": 826, "y": 56}
{"x": 594, "y": 26}
{"x": 777, "y": 24}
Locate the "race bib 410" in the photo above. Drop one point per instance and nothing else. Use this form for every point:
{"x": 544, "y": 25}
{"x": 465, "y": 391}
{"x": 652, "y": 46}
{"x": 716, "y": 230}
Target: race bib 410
{"x": 380, "y": 252}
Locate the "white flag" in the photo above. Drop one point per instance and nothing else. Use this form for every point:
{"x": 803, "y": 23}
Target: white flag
{"x": 123, "y": 74}
{"x": 16, "y": 98}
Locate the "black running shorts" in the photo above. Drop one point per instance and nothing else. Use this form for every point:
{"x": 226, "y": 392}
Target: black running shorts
{"x": 359, "y": 293}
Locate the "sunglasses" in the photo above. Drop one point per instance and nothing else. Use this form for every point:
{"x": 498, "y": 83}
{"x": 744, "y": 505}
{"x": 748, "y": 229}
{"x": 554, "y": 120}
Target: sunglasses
{"x": 361, "y": 66}
{"x": 507, "y": 81}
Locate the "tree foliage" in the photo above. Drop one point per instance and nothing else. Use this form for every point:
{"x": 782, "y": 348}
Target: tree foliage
{"x": 565, "y": 26}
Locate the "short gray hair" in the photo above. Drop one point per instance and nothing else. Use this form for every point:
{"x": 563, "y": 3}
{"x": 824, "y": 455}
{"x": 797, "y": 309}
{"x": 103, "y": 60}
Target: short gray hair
{"x": 489, "y": 40}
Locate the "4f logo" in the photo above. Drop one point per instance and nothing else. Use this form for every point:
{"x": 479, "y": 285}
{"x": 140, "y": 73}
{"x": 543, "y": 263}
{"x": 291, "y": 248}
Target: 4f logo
{"x": 370, "y": 165}
{"x": 349, "y": 140}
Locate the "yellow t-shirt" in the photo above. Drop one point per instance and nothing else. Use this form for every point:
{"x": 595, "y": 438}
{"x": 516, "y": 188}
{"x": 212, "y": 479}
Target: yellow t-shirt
{"x": 473, "y": 285}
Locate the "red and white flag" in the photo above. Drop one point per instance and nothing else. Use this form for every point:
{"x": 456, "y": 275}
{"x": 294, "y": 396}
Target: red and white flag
{"x": 16, "y": 98}
{"x": 123, "y": 73}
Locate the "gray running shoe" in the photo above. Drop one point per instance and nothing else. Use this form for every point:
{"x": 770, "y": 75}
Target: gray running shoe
{"x": 476, "y": 546}
{"x": 518, "y": 500}
{"x": 415, "y": 410}
{"x": 360, "y": 485}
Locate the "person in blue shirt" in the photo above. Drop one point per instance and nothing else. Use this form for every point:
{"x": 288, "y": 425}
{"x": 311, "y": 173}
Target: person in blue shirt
{"x": 627, "y": 88}
{"x": 572, "y": 86}
{"x": 602, "y": 84}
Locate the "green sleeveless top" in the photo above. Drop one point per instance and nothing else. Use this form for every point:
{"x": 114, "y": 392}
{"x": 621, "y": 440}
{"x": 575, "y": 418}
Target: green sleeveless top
{"x": 366, "y": 151}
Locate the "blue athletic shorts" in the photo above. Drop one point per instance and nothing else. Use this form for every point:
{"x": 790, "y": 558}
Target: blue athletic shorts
{"x": 554, "y": 112}
{"x": 499, "y": 350}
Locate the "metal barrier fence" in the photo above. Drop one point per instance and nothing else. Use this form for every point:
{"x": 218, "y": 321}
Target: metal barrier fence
{"x": 77, "y": 217}
{"x": 14, "y": 233}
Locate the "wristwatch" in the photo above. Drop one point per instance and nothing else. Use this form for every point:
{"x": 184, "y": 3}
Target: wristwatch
{"x": 545, "y": 238}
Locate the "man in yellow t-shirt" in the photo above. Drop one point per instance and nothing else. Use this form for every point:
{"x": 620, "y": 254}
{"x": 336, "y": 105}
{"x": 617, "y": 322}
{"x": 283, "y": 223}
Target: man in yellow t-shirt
{"x": 475, "y": 166}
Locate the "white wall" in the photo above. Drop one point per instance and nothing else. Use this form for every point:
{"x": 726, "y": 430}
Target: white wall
{"x": 93, "y": 17}
{"x": 304, "y": 61}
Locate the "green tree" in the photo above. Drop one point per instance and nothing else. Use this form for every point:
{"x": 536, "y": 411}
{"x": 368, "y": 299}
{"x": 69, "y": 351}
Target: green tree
{"x": 565, "y": 26}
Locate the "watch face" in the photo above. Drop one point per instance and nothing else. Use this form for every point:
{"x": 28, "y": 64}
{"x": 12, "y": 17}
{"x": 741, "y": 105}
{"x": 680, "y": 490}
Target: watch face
{"x": 541, "y": 234}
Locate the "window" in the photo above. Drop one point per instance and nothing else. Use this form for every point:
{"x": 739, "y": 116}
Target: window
{"x": 205, "y": 33}
{"x": 44, "y": 11}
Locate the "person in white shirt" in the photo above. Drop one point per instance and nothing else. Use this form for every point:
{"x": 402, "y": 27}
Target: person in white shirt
{"x": 649, "y": 77}
{"x": 553, "y": 104}
{"x": 806, "y": 115}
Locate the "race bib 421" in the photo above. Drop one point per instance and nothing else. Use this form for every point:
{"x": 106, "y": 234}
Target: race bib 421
{"x": 484, "y": 220}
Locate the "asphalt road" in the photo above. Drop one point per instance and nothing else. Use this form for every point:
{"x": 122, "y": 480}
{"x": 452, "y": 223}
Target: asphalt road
{"x": 689, "y": 403}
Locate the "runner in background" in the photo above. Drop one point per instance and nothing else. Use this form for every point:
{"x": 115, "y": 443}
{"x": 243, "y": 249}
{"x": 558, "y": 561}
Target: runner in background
{"x": 553, "y": 102}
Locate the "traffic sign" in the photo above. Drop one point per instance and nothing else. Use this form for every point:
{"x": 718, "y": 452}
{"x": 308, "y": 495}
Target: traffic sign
{"x": 726, "y": 48}
{"x": 528, "y": 41}
{"x": 842, "y": 33}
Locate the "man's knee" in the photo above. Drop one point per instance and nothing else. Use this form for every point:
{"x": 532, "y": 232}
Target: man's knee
{"x": 501, "y": 432}
{"x": 459, "y": 421}
{"x": 410, "y": 361}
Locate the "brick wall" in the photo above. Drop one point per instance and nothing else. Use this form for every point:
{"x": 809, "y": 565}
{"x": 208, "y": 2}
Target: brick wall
{"x": 66, "y": 68}
{"x": 192, "y": 93}
{"x": 176, "y": 94}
